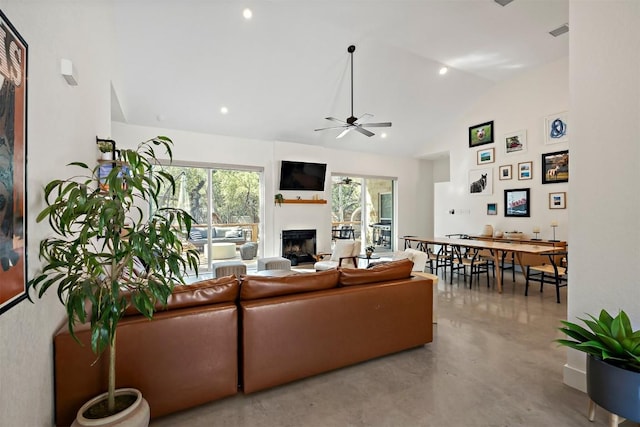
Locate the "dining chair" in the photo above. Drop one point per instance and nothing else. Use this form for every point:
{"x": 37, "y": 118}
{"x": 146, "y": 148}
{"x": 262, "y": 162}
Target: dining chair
{"x": 554, "y": 272}
{"x": 469, "y": 258}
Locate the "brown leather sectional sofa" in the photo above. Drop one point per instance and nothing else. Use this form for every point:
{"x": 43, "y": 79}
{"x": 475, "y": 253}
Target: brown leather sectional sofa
{"x": 276, "y": 329}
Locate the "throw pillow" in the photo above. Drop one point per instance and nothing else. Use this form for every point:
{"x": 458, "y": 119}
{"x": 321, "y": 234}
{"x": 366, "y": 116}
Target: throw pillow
{"x": 233, "y": 233}
{"x": 195, "y": 235}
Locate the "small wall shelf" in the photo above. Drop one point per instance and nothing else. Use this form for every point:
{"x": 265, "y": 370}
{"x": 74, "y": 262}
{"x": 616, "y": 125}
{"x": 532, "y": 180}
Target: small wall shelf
{"x": 307, "y": 201}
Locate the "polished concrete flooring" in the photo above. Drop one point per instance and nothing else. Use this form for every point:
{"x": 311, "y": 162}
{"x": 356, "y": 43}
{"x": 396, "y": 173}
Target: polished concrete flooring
{"x": 493, "y": 362}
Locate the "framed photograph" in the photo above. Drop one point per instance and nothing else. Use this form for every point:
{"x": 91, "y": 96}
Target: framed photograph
{"x": 13, "y": 157}
{"x": 486, "y": 156}
{"x": 505, "y": 172}
{"x": 558, "y": 200}
{"x": 515, "y": 142}
{"x": 517, "y": 203}
{"x": 555, "y": 128}
{"x": 525, "y": 170}
{"x": 481, "y": 134}
{"x": 555, "y": 167}
{"x": 481, "y": 182}
{"x": 492, "y": 209}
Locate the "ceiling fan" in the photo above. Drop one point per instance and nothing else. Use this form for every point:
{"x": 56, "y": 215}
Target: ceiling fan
{"x": 352, "y": 122}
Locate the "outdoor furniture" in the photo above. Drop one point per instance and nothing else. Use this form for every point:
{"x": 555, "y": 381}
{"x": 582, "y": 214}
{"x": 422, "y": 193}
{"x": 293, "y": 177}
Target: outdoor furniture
{"x": 221, "y": 250}
{"x": 248, "y": 250}
{"x": 273, "y": 263}
{"x": 228, "y": 268}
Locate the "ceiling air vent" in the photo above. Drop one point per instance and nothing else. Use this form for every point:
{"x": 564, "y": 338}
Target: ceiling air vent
{"x": 560, "y": 30}
{"x": 503, "y": 2}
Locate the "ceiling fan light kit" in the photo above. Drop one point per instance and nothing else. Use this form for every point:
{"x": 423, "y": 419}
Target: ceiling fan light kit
{"x": 351, "y": 123}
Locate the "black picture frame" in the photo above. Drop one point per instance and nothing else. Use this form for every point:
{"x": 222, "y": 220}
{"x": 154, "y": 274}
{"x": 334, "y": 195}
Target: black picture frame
{"x": 13, "y": 157}
{"x": 481, "y": 134}
{"x": 517, "y": 203}
{"x": 555, "y": 167}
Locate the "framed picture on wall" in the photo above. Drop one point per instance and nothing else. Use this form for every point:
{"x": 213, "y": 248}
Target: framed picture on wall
{"x": 517, "y": 203}
{"x": 555, "y": 167}
{"x": 525, "y": 170}
{"x": 555, "y": 128}
{"x": 515, "y": 142}
{"x": 13, "y": 157}
{"x": 558, "y": 200}
{"x": 505, "y": 172}
{"x": 492, "y": 209}
{"x": 481, "y": 134}
{"x": 486, "y": 156}
{"x": 481, "y": 182}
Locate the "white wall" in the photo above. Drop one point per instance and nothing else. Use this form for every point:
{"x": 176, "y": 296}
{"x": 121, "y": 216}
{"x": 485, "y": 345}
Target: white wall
{"x": 605, "y": 201}
{"x": 63, "y": 122}
{"x": 521, "y": 103}
{"x": 216, "y": 149}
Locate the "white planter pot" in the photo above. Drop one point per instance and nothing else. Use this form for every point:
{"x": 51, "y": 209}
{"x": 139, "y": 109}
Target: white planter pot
{"x": 107, "y": 156}
{"x": 136, "y": 415}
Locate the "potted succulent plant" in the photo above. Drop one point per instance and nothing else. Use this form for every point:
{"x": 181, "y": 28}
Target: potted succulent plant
{"x": 101, "y": 236}
{"x": 106, "y": 147}
{"x": 613, "y": 361}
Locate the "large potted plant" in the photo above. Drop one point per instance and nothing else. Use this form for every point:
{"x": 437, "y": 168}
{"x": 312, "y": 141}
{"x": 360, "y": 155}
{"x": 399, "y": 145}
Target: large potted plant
{"x": 613, "y": 361}
{"x": 107, "y": 253}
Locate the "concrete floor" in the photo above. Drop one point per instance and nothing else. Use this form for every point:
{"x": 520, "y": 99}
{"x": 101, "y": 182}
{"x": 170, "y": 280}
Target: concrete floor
{"x": 493, "y": 362}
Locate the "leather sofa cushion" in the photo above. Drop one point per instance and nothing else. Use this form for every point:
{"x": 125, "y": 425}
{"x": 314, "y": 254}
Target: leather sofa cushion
{"x": 254, "y": 287}
{"x": 393, "y": 270}
{"x": 212, "y": 291}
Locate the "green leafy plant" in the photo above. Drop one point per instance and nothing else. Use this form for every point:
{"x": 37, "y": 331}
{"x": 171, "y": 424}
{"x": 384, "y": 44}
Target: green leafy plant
{"x": 370, "y": 249}
{"x": 105, "y": 146}
{"x": 610, "y": 338}
{"x": 279, "y": 198}
{"x": 106, "y": 253}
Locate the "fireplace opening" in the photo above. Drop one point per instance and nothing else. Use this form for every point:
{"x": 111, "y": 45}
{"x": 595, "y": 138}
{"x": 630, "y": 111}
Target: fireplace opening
{"x": 299, "y": 246}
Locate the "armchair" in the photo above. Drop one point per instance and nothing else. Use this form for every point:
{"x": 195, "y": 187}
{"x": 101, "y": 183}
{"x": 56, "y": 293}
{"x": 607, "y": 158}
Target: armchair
{"x": 345, "y": 252}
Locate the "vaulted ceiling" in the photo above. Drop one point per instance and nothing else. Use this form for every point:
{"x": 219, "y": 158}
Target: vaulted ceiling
{"x": 287, "y": 68}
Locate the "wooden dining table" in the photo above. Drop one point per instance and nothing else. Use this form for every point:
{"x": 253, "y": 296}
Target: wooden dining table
{"x": 497, "y": 249}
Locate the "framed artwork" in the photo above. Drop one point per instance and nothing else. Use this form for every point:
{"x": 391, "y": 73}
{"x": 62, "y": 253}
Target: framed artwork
{"x": 505, "y": 172}
{"x": 481, "y": 182}
{"x": 481, "y": 134}
{"x": 555, "y": 128}
{"x": 558, "y": 200}
{"x": 13, "y": 193}
{"x": 517, "y": 203}
{"x": 515, "y": 142}
{"x": 492, "y": 209}
{"x": 555, "y": 167}
{"x": 486, "y": 156}
{"x": 525, "y": 170}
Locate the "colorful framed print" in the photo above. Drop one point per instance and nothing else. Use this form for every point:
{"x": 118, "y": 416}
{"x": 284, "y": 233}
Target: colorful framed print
{"x": 525, "y": 170}
{"x": 515, "y": 142}
{"x": 13, "y": 157}
{"x": 555, "y": 167}
{"x": 555, "y": 128}
{"x": 481, "y": 182}
{"x": 505, "y": 172}
{"x": 558, "y": 200}
{"x": 517, "y": 203}
{"x": 492, "y": 209}
{"x": 481, "y": 134}
{"x": 486, "y": 156}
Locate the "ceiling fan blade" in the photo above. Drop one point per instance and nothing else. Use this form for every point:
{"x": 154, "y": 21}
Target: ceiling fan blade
{"x": 344, "y": 132}
{"x": 363, "y": 131}
{"x": 333, "y": 119}
{"x": 332, "y": 127}
{"x": 377, "y": 125}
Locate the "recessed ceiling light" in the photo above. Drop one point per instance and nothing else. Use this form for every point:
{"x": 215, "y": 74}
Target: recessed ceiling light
{"x": 383, "y": 135}
{"x": 443, "y": 71}
{"x": 247, "y": 13}
{"x": 224, "y": 110}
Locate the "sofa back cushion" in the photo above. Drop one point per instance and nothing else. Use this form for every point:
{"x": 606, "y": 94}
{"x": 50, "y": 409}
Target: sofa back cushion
{"x": 393, "y": 270}
{"x": 212, "y": 291}
{"x": 254, "y": 287}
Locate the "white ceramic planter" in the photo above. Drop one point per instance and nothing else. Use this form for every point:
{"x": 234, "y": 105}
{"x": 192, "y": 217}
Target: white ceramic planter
{"x": 136, "y": 415}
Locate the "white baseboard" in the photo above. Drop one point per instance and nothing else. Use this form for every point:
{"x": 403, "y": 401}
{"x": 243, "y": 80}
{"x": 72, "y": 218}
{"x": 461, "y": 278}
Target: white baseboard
{"x": 575, "y": 378}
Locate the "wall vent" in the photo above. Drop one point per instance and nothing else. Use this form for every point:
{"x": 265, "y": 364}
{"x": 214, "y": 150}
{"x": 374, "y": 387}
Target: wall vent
{"x": 560, "y": 30}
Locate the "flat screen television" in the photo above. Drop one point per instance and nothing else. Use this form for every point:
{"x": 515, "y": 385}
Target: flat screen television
{"x": 302, "y": 176}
